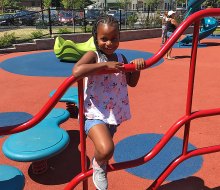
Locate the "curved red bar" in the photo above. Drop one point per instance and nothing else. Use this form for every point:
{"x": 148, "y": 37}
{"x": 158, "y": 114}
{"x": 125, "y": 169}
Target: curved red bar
{"x": 43, "y": 112}
{"x": 185, "y": 120}
{"x": 130, "y": 67}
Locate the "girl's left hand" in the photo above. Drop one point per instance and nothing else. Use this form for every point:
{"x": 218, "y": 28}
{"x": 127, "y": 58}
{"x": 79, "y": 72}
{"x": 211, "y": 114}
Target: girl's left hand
{"x": 139, "y": 63}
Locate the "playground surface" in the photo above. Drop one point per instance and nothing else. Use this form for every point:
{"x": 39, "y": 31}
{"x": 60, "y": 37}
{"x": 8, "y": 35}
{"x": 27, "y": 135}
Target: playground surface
{"x": 156, "y": 103}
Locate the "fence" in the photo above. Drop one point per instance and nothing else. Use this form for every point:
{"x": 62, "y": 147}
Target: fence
{"x": 24, "y": 26}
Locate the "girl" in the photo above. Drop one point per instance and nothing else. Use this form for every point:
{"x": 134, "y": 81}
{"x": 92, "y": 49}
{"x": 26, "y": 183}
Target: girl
{"x": 106, "y": 96}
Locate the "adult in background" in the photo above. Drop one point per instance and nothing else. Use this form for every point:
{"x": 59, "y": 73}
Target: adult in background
{"x": 164, "y": 28}
{"x": 172, "y": 24}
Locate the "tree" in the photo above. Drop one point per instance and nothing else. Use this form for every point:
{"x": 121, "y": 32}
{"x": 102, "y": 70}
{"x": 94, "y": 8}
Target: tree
{"x": 180, "y": 2}
{"x": 124, "y": 4}
{"x": 152, "y": 3}
{"x": 212, "y": 3}
{"x": 55, "y": 3}
{"x": 77, "y": 4}
{"x": 10, "y": 4}
{"x": 47, "y": 3}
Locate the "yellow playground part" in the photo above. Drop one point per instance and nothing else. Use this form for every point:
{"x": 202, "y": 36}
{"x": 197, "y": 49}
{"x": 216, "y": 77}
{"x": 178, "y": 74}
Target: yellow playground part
{"x": 67, "y": 50}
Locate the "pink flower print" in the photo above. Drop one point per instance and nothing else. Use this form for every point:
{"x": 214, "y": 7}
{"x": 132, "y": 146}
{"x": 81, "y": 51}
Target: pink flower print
{"x": 123, "y": 116}
{"x": 125, "y": 101}
{"x": 94, "y": 98}
{"x": 106, "y": 86}
{"x": 114, "y": 84}
{"x": 110, "y": 104}
{"x": 114, "y": 88}
{"x": 90, "y": 84}
{"x": 89, "y": 105}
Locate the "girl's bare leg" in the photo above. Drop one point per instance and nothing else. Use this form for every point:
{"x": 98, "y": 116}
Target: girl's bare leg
{"x": 103, "y": 142}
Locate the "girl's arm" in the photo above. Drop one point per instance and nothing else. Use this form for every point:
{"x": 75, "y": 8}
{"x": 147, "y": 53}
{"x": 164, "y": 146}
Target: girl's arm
{"x": 133, "y": 77}
{"x": 88, "y": 65}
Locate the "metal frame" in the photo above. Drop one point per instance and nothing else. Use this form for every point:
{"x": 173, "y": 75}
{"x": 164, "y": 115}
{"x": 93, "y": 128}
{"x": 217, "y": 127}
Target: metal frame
{"x": 184, "y": 121}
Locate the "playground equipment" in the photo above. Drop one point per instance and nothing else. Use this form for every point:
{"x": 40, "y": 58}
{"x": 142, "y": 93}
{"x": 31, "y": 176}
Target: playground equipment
{"x": 209, "y": 24}
{"x": 11, "y": 178}
{"x": 39, "y": 143}
{"x": 67, "y": 50}
{"x": 71, "y": 100}
{"x": 184, "y": 121}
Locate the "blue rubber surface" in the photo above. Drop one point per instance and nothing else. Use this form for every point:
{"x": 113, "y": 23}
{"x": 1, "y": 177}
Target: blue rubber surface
{"x": 71, "y": 95}
{"x": 137, "y": 146}
{"x": 176, "y": 45}
{"x": 40, "y": 142}
{"x": 217, "y": 36}
{"x": 13, "y": 118}
{"x": 46, "y": 64}
{"x": 11, "y": 178}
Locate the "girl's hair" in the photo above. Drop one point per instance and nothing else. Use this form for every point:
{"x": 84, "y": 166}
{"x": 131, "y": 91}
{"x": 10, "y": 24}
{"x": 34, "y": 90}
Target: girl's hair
{"x": 104, "y": 19}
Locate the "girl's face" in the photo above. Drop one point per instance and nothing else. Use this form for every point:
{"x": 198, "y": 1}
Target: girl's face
{"x": 107, "y": 38}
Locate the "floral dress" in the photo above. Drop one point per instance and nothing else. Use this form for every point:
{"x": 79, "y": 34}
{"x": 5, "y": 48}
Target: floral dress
{"x": 106, "y": 96}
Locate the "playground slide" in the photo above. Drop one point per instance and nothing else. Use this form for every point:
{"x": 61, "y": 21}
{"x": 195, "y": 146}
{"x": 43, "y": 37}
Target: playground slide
{"x": 209, "y": 24}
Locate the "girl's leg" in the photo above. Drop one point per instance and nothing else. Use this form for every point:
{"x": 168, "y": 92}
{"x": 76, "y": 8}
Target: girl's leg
{"x": 104, "y": 148}
{"x": 103, "y": 142}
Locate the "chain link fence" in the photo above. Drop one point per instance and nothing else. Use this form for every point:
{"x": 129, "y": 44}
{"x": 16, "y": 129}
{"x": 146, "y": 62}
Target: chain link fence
{"x": 24, "y": 26}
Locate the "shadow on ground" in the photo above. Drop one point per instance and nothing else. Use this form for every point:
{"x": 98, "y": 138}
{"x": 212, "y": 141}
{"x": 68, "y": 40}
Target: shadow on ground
{"x": 182, "y": 57}
{"x": 63, "y": 167}
{"x": 190, "y": 183}
{"x": 212, "y": 44}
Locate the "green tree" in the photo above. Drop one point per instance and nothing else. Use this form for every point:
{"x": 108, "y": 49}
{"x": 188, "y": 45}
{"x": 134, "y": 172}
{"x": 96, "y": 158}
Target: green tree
{"x": 212, "y": 3}
{"x": 10, "y": 4}
{"x": 152, "y": 3}
{"x": 180, "y": 2}
{"x": 55, "y": 3}
{"x": 124, "y": 4}
{"x": 77, "y": 4}
{"x": 47, "y": 3}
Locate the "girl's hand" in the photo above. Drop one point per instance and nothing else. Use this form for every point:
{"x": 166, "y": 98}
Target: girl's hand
{"x": 114, "y": 65}
{"x": 139, "y": 63}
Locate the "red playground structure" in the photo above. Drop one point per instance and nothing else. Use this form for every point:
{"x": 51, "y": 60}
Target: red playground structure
{"x": 183, "y": 121}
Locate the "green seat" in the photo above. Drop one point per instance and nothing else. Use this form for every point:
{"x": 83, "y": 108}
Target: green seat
{"x": 67, "y": 50}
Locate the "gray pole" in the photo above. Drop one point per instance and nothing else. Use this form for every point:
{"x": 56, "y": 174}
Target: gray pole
{"x": 105, "y": 6}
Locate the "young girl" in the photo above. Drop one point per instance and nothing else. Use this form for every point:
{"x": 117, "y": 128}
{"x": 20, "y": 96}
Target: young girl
{"x": 106, "y": 96}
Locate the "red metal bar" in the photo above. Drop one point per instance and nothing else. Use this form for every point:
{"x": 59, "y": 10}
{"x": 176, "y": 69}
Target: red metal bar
{"x": 191, "y": 83}
{"x": 50, "y": 104}
{"x": 169, "y": 134}
{"x": 207, "y": 150}
{"x": 185, "y": 154}
{"x": 82, "y": 132}
{"x": 185, "y": 120}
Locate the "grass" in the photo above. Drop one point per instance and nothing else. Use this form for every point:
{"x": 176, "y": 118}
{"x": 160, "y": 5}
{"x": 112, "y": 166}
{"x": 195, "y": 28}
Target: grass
{"x": 23, "y": 34}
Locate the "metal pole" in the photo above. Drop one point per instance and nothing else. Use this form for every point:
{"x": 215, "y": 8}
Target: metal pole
{"x": 105, "y": 6}
{"x": 2, "y": 6}
{"x": 73, "y": 15}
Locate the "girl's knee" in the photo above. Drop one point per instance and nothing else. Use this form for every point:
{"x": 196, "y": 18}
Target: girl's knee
{"x": 106, "y": 151}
